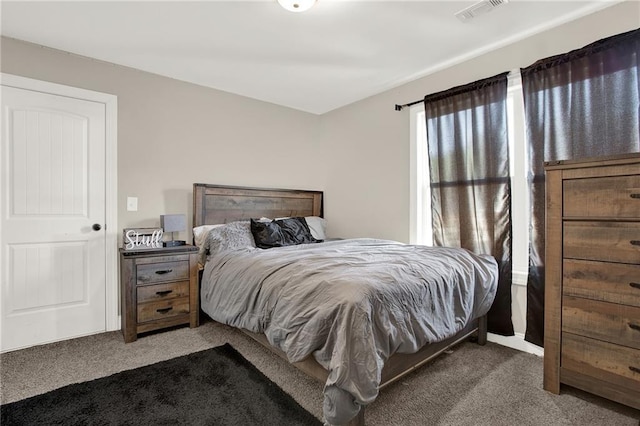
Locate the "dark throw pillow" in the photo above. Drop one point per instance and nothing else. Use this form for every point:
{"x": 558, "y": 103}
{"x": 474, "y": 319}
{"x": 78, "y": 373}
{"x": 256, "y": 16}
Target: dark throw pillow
{"x": 280, "y": 233}
{"x": 295, "y": 230}
{"x": 266, "y": 234}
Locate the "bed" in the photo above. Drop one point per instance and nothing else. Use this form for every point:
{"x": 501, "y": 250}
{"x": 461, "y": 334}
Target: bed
{"x": 351, "y": 313}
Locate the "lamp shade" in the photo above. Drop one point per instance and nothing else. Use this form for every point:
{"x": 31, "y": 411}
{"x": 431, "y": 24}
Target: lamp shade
{"x": 297, "y": 5}
{"x": 173, "y": 222}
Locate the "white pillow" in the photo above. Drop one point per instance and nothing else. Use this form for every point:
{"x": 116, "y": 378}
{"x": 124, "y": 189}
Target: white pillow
{"x": 317, "y": 226}
{"x": 200, "y": 233}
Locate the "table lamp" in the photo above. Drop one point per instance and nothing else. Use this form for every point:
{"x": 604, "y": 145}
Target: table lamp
{"x": 173, "y": 223}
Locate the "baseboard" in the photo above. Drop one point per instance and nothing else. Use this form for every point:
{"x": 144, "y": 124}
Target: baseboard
{"x": 516, "y": 342}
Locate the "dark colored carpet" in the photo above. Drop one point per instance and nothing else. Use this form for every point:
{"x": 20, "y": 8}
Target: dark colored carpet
{"x": 213, "y": 387}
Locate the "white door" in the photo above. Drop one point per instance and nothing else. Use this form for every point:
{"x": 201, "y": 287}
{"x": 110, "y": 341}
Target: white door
{"x": 52, "y": 218}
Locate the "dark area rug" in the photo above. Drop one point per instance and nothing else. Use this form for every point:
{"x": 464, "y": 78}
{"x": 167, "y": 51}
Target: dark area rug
{"x": 217, "y": 386}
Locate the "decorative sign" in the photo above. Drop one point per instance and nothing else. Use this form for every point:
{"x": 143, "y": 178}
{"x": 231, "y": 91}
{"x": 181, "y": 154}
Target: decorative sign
{"x": 142, "y": 238}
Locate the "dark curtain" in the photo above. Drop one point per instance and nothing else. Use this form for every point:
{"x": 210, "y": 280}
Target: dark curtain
{"x": 577, "y": 105}
{"x": 470, "y": 183}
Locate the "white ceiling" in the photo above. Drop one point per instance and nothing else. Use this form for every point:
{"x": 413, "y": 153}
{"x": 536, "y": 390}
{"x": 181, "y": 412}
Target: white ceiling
{"x": 337, "y": 53}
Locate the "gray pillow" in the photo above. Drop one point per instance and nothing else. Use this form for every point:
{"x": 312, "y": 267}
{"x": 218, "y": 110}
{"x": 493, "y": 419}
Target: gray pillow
{"x": 229, "y": 237}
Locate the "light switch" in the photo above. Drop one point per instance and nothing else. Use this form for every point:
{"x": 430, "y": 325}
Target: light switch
{"x": 132, "y": 204}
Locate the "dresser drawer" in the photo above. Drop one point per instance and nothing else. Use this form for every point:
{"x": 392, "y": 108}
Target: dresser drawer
{"x": 162, "y": 271}
{"x": 162, "y": 309}
{"x": 611, "y": 322}
{"x": 601, "y": 360}
{"x": 162, "y": 291}
{"x": 609, "y": 282}
{"x": 605, "y": 241}
{"x": 616, "y": 196}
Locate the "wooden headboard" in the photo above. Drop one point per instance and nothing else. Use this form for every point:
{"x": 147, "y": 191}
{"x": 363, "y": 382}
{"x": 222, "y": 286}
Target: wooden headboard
{"x": 214, "y": 204}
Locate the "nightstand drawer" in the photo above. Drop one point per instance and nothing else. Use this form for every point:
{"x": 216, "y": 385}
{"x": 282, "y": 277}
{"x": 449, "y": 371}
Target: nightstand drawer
{"x": 163, "y": 291}
{"x": 162, "y": 309}
{"x": 162, "y": 271}
{"x": 616, "y": 196}
{"x": 610, "y": 322}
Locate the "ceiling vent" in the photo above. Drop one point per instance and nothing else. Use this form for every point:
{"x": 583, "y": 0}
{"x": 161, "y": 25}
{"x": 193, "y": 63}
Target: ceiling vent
{"x": 478, "y": 9}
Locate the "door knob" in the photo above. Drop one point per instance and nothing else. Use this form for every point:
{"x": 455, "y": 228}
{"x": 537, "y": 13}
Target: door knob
{"x": 96, "y": 227}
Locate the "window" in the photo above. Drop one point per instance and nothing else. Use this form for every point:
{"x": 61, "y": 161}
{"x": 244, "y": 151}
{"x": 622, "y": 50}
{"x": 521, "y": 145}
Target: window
{"x": 420, "y": 196}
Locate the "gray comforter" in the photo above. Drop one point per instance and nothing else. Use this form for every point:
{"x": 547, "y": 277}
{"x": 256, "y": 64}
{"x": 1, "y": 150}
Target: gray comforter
{"x": 350, "y": 304}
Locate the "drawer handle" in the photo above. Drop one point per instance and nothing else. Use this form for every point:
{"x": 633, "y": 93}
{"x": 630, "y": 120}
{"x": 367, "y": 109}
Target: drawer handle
{"x": 634, "y": 369}
{"x": 635, "y": 195}
{"x": 635, "y": 285}
{"x": 163, "y": 292}
{"x": 163, "y": 310}
{"x": 634, "y": 326}
{"x": 635, "y": 242}
{"x": 166, "y": 271}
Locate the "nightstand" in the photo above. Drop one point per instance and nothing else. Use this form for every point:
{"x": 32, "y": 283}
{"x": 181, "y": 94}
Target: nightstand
{"x": 159, "y": 289}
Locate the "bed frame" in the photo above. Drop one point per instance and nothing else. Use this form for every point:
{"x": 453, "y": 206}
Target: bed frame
{"x": 213, "y": 204}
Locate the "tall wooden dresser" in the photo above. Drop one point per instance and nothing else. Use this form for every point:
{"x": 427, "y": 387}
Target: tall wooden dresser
{"x": 592, "y": 277}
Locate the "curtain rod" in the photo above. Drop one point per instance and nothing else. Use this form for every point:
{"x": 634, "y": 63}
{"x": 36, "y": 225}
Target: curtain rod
{"x": 399, "y": 107}
{"x": 498, "y": 78}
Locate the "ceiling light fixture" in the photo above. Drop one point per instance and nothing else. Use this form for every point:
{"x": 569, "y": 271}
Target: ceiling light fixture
{"x": 297, "y": 5}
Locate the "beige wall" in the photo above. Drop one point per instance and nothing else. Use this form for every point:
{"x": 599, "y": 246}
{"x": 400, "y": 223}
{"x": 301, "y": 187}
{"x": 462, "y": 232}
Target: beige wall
{"x": 367, "y": 143}
{"x": 172, "y": 134}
